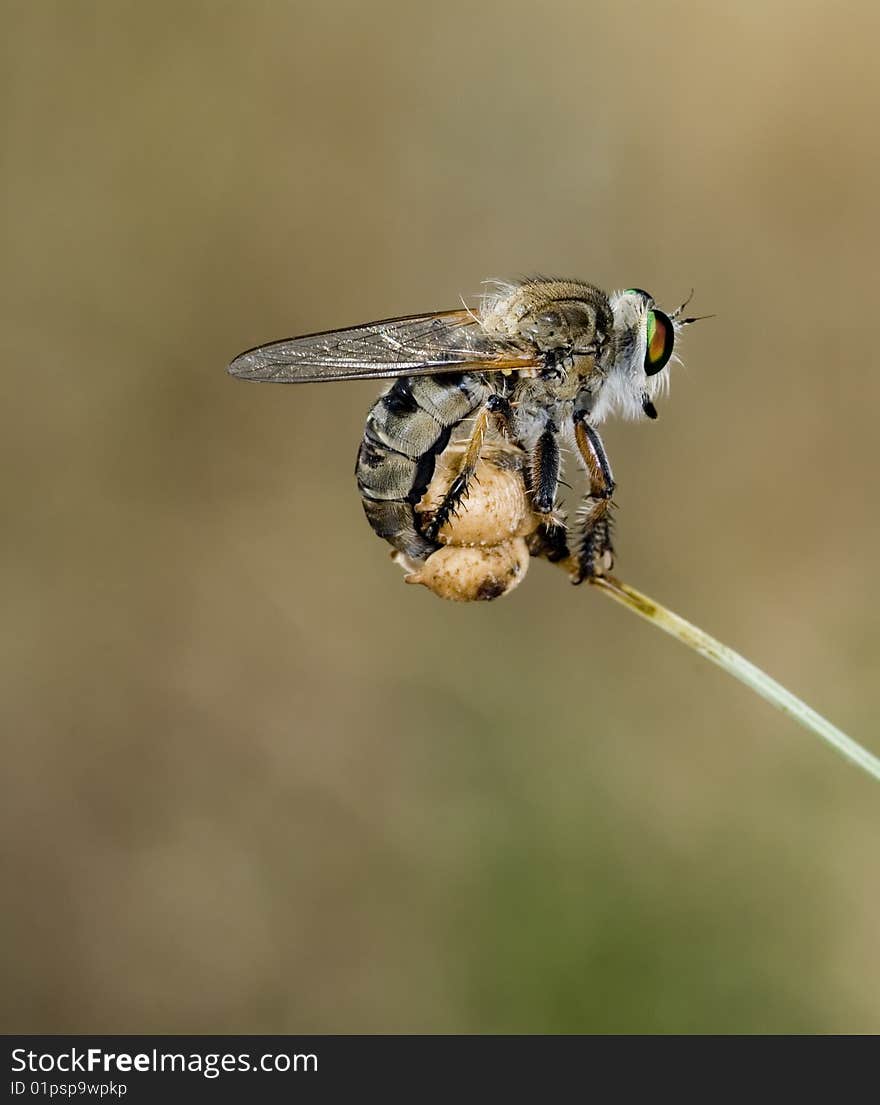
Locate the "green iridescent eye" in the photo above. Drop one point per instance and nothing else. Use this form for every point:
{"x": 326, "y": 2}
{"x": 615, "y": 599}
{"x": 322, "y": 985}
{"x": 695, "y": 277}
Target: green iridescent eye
{"x": 661, "y": 339}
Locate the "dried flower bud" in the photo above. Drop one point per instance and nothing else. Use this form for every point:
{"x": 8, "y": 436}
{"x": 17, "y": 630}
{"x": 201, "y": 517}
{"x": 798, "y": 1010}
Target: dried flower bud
{"x": 484, "y": 554}
{"x": 471, "y": 573}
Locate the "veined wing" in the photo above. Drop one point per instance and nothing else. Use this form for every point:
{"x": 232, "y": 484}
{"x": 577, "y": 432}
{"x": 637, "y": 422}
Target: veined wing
{"x": 418, "y": 345}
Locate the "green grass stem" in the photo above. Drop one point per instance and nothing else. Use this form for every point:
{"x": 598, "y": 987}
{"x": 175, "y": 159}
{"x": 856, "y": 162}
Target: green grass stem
{"x": 740, "y": 669}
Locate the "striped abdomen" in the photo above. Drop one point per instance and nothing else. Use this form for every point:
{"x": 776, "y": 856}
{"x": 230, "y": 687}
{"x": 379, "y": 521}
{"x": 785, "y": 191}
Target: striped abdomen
{"x": 406, "y": 430}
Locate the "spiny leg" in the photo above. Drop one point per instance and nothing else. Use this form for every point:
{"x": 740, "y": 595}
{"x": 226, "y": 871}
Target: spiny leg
{"x": 549, "y": 539}
{"x": 544, "y": 471}
{"x": 595, "y": 553}
{"x": 497, "y": 410}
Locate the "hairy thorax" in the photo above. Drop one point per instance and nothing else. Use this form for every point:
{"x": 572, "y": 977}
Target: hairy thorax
{"x": 550, "y": 314}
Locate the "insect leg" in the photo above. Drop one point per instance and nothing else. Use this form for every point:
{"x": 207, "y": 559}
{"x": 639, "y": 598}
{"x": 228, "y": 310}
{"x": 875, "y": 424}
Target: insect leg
{"x": 497, "y": 410}
{"x": 549, "y": 539}
{"x": 595, "y": 553}
{"x": 544, "y": 470}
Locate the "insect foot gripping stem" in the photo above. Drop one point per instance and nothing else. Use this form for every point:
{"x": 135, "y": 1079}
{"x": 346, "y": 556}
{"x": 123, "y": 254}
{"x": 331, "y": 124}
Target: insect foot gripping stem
{"x": 483, "y": 552}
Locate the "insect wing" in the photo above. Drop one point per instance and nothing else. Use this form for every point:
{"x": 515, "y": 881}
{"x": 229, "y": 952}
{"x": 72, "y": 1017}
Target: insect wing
{"x": 417, "y": 345}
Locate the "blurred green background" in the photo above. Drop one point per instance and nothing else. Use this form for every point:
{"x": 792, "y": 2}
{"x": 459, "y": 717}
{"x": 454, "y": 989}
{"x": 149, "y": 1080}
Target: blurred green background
{"x": 253, "y": 782}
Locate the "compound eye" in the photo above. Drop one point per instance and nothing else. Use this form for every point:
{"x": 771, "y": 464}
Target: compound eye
{"x": 661, "y": 339}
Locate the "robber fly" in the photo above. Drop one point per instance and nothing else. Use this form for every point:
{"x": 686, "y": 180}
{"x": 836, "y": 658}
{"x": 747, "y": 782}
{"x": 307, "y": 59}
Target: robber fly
{"x": 542, "y": 362}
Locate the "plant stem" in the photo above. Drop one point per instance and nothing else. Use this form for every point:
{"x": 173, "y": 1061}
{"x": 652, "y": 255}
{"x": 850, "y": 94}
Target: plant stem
{"x": 739, "y": 668}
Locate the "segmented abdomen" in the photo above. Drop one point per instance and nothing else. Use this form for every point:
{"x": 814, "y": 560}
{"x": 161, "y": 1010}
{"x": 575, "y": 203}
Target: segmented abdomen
{"x": 406, "y": 430}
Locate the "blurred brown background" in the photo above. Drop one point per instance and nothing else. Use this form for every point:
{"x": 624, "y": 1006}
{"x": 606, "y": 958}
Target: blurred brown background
{"x": 253, "y": 782}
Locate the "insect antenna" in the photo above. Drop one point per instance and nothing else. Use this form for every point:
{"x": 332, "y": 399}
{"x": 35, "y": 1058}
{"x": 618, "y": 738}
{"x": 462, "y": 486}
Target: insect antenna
{"x": 682, "y": 306}
{"x": 687, "y": 321}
